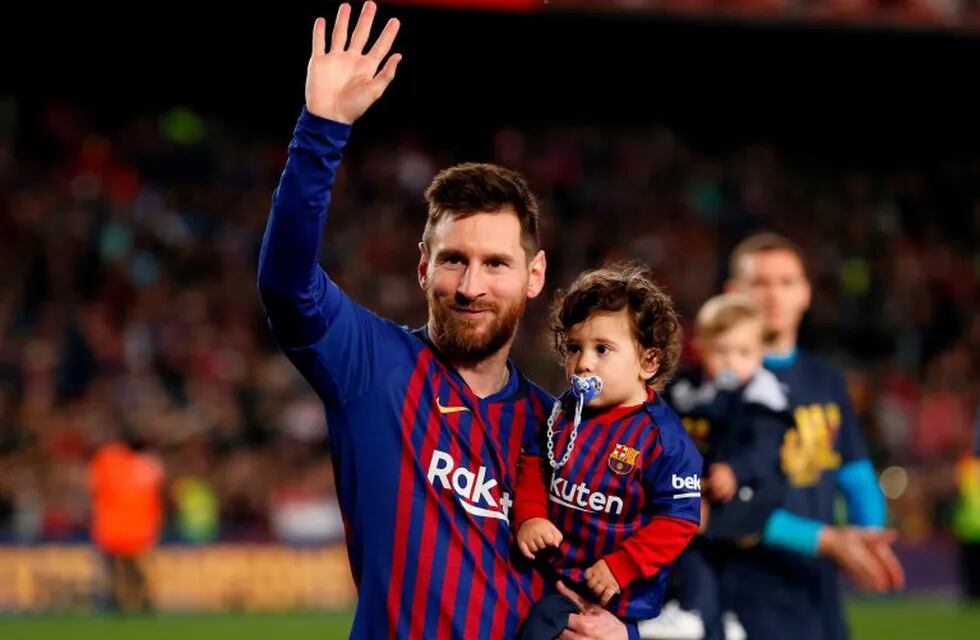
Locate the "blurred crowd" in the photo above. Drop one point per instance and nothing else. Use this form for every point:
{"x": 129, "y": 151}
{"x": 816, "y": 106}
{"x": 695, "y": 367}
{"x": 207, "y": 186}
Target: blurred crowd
{"x": 964, "y": 14}
{"x": 129, "y": 310}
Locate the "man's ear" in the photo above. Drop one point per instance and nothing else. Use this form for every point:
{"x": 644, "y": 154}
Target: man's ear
{"x": 423, "y": 268}
{"x": 536, "y": 273}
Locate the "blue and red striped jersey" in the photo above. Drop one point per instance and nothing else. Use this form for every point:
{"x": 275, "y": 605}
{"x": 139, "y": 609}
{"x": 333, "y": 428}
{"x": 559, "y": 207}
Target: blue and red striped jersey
{"x": 630, "y": 467}
{"x": 424, "y": 468}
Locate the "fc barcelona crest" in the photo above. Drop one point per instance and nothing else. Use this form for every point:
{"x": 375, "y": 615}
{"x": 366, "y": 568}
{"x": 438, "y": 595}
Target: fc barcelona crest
{"x": 622, "y": 460}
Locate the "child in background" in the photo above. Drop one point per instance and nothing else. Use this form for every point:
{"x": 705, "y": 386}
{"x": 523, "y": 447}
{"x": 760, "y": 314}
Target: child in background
{"x": 614, "y": 483}
{"x": 737, "y": 413}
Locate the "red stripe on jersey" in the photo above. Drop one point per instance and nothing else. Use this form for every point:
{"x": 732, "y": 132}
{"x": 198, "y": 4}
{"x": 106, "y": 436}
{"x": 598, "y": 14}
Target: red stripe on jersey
{"x": 454, "y": 554}
{"x": 420, "y": 595}
{"x": 405, "y": 482}
{"x": 500, "y": 575}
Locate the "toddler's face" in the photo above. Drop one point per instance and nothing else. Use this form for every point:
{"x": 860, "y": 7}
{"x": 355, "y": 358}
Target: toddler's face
{"x": 603, "y": 345}
{"x": 739, "y": 350}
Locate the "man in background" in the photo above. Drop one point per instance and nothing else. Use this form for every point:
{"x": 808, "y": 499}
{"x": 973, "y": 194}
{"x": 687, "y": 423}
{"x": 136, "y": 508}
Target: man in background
{"x": 795, "y": 587}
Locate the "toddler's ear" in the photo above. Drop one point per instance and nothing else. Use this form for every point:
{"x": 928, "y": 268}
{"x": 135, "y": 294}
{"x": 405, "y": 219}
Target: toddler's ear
{"x": 649, "y": 363}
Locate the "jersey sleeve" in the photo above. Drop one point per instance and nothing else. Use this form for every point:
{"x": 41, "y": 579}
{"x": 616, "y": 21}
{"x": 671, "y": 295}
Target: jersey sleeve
{"x": 851, "y": 443}
{"x": 672, "y": 480}
{"x": 653, "y": 547}
{"x": 353, "y": 355}
{"x": 337, "y": 345}
{"x": 865, "y": 501}
{"x": 299, "y": 297}
{"x": 531, "y": 494}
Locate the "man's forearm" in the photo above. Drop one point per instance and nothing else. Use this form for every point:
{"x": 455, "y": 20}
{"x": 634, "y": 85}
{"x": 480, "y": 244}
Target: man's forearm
{"x": 297, "y": 293}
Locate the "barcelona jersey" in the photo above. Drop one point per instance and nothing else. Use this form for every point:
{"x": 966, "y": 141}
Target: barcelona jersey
{"x": 424, "y": 468}
{"x": 629, "y": 467}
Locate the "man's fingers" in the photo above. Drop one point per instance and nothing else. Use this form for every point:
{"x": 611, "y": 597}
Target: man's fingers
{"x": 319, "y": 36}
{"x": 338, "y": 39}
{"x": 382, "y": 45}
{"x": 525, "y": 550}
{"x": 568, "y": 634}
{"x": 576, "y": 599}
{"x": 880, "y": 547}
{"x": 363, "y": 27}
{"x": 867, "y": 572}
{"x": 386, "y": 75}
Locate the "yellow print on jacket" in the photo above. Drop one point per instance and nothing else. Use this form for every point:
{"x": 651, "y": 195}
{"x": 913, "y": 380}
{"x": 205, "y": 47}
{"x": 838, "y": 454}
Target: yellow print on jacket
{"x": 808, "y": 448}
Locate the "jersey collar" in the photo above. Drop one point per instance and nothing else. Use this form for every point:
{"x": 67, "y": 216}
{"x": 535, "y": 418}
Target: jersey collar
{"x": 506, "y": 392}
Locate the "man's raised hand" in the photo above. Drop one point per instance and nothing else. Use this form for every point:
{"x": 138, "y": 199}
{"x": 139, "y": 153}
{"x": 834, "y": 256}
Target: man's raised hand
{"x": 342, "y": 82}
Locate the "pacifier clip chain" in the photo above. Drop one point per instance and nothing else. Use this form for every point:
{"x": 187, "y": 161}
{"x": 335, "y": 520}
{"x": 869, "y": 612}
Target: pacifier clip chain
{"x": 584, "y": 389}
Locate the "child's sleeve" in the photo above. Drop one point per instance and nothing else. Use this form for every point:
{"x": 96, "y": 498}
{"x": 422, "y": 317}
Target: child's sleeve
{"x": 757, "y": 458}
{"x": 672, "y": 480}
{"x": 531, "y": 499}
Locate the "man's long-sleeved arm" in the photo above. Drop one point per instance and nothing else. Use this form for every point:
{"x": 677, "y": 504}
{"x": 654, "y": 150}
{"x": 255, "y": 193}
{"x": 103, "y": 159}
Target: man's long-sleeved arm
{"x": 299, "y": 297}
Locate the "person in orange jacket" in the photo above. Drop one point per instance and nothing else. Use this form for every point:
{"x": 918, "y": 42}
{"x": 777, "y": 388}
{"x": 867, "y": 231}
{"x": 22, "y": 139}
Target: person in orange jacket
{"x": 125, "y": 483}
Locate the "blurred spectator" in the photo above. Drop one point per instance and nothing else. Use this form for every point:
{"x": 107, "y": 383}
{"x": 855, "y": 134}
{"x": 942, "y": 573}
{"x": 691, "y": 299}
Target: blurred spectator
{"x": 126, "y": 519}
{"x": 966, "y": 520}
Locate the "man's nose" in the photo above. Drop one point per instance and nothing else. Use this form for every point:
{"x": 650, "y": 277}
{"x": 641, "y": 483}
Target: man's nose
{"x": 472, "y": 285}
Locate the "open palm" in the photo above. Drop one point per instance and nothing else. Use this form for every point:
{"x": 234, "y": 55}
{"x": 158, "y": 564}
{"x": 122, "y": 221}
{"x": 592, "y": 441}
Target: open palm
{"x": 343, "y": 82}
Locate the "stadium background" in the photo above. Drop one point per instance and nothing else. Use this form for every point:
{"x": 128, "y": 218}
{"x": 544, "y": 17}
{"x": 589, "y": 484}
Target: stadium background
{"x": 139, "y": 146}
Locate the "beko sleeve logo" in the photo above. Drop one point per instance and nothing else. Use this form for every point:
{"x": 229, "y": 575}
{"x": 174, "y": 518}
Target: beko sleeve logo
{"x": 692, "y": 483}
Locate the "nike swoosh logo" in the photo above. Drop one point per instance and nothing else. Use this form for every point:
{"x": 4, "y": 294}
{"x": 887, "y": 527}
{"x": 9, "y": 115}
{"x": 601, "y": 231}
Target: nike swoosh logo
{"x": 444, "y": 410}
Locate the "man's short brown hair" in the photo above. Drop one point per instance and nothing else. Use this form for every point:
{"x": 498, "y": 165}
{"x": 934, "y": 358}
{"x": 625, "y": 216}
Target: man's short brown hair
{"x": 469, "y": 188}
{"x": 722, "y": 312}
{"x": 760, "y": 243}
{"x": 623, "y": 285}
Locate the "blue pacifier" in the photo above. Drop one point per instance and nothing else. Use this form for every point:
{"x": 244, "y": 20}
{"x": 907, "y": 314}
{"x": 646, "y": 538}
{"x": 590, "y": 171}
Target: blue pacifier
{"x": 584, "y": 390}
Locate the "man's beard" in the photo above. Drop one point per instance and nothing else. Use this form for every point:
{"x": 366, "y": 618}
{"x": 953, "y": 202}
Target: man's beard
{"x": 458, "y": 338}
